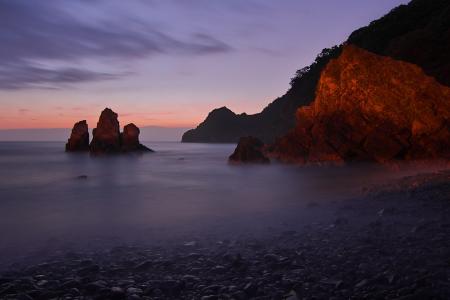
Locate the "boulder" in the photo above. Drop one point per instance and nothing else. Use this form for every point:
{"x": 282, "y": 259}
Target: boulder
{"x": 130, "y": 139}
{"x": 370, "y": 108}
{"x": 249, "y": 150}
{"x": 79, "y": 138}
{"x": 106, "y": 137}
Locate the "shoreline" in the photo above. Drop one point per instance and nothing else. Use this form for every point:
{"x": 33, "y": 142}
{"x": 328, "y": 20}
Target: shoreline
{"x": 393, "y": 242}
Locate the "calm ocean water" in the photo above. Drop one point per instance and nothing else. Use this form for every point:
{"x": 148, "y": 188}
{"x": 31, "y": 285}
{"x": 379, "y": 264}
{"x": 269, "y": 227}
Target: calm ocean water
{"x": 180, "y": 188}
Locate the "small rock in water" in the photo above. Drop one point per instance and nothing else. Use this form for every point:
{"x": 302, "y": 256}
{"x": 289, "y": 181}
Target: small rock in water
{"x": 82, "y": 177}
{"x": 249, "y": 150}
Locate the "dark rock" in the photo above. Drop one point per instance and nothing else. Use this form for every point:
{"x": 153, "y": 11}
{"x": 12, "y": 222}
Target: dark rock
{"x": 250, "y": 289}
{"x": 191, "y": 278}
{"x": 25, "y": 297}
{"x": 79, "y": 138}
{"x": 292, "y": 296}
{"x": 271, "y": 258}
{"x": 4, "y": 280}
{"x": 210, "y": 297}
{"x": 117, "y": 293}
{"x": 361, "y": 283}
{"x": 88, "y": 270}
{"x": 130, "y": 139}
{"x": 249, "y": 150}
{"x": 74, "y": 291}
{"x": 7, "y": 289}
{"x": 106, "y": 136}
{"x": 134, "y": 291}
{"x": 95, "y": 286}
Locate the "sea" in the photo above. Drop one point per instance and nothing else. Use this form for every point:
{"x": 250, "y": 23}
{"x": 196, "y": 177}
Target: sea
{"x": 180, "y": 191}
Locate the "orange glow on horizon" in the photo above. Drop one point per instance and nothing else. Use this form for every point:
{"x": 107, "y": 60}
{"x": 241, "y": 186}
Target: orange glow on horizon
{"x": 62, "y": 117}
{"x": 92, "y": 122}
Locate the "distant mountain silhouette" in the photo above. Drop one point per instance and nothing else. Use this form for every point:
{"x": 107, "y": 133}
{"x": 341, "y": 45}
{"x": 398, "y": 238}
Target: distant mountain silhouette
{"x": 418, "y": 33}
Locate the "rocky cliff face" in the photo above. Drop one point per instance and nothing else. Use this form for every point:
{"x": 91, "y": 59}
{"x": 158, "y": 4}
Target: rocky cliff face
{"x": 370, "y": 107}
{"x": 418, "y": 33}
{"x": 106, "y": 136}
{"x": 79, "y": 138}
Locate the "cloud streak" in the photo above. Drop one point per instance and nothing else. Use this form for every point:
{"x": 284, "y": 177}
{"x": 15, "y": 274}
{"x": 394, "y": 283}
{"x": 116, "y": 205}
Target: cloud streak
{"x": 35, "y": 31}
{"x": 21, "y": 76}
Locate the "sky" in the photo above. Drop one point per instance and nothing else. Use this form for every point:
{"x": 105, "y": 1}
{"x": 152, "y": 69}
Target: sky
{"x": 160, "y": 62}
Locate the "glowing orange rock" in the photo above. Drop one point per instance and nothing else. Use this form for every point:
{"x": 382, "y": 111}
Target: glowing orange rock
{"x": 370, "y": 107}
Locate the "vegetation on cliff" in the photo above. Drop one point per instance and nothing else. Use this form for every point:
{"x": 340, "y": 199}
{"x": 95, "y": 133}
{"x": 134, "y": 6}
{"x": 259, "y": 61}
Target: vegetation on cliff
{"x": 418, "y": 33}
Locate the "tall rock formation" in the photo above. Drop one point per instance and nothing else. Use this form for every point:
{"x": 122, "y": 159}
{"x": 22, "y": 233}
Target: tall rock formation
{"x": 79, "y": 138}
{"x": 418, "y": 33}
{"x": 370, "y": 107}
{"x": 130, "y": 139}
{"x": 106, "y": 136}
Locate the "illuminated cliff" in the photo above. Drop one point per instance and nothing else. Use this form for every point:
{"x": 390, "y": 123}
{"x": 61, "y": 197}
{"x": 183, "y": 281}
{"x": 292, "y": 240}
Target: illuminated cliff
{"x": 370, "y": 107}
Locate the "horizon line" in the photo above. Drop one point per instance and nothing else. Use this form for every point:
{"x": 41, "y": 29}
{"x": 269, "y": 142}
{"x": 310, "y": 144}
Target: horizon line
{"x": 146, "y": 126}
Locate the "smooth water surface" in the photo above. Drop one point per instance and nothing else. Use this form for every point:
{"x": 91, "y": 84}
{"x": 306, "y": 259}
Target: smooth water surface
{"x": 180, "y": 188}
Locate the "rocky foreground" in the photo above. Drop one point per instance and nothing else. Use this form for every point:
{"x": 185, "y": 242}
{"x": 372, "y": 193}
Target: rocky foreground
{"x": 393, "y": 242}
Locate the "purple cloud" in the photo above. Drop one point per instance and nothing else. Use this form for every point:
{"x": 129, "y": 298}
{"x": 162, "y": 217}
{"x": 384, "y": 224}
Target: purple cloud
{"x": 34, "y": 31}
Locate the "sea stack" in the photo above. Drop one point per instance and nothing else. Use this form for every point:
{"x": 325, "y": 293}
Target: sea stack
{"x": 79, "y": 138}
{"x": 106, "y": 137}
{"x": 130, "y": 139}
{"x": 249, "y": 150}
